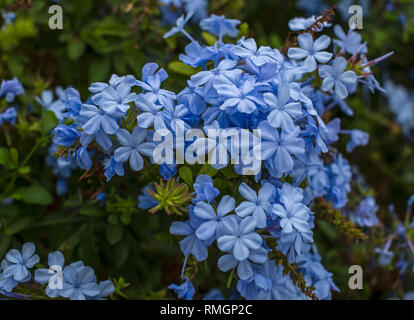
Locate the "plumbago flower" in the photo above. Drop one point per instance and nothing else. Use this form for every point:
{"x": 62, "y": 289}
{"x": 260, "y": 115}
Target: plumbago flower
{"x": 278, "y": 149}
{"x": 19, "y": 262}
{"x": 219, "y": 26}
{"x": 282, "y": 113}
{"x": 311, "y": 51}
{"x": 75, "y": 281}
{"x": 184, "y": 291}
{"x": 281, "y": 101}
{"x": 293, "y": 216}
{"x": 239, "y": 237}
{"x": 214, "y": 221}
{"x": 256, "y": 205}
{"x": 204, "y": 189}
{"x": 11, "y": 89}
{"x": 56, "y": 260}
{"x": 335, "y": 77}
{"x": 132, "y": 148}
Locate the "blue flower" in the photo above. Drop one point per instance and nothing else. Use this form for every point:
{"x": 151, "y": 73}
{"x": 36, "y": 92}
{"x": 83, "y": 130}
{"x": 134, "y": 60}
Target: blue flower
{"x": 214, "y": 222}
{"x": 282, "y": 112}
{"x": 226, "y": 67}
{"x": 204, "y": 189}
{"x": 219, "y": 26}
{"x": 83, "y": 159}
{"x": 272, "y": 283}
{"x": 385, "y": 256}
{"x": 8, "y": 17}
{"x": 350, "y": 42}
{"x": 11, "y": 89}
{"x": 47, "y": 101}
{"x": 184, "y": 291}
{"x": 299, "y": 24}
{"x": 316, "y": 275}
{"x": 257, "y": 205}
{"x": 239, "y": 237}
{"x": 9, "y": 115}
{"x": 61, "y": 187}
{"x": 7, "y": 283}
{"x": 336, "y": 77}
{"x": 311, "y": 51}
{"x": 191, "y": 244}
{"x": 279, "y": 148}
{"x": 366, "y": 213}
{"x": 341, "y": 171}
{"x": 195, "y": 55}
{"x": 72, "y": 102}
{"x": 116, "y": 100}
{"x": 97, "y": 119}
{"x": 247, "y": 49}
{"x": 145, "y": 200}
{"x": 79, "y": 282}
{"x": 192, "y": 97}
{"x": 132, "y": 147}
{"x": 152, "y": 115}
{"x": 105, "y": 288}
{"x": 20, "y": 262}
{"x": 242, "y": 97}
{"x": 180, "y": 24}
{"x": 151, "y": 84}
{"x": 358, "y": 138}
{"x": 293, "y": 216}
{"x": 198, "y": 7}
{"x": 245, "y": 268}
{"x": 56, "y": 260}
{"x": 66, "y": 135}
{"x": 113, "y": 167}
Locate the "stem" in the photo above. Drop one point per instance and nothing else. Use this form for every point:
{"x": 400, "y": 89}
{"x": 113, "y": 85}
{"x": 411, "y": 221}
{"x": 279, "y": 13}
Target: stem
{"x": 9, "y": 187}
{"x": 56, "y": 221}
{"x": 8, "y": 139}
{"x": 30, "y": 154}
{"x": 188, "y": 35}
{"x": 229, "y": 280}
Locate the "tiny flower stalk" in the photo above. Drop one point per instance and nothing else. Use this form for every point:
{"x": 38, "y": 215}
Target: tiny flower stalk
{"x": 173, "y": 197}
{"x": 341, "y": 222}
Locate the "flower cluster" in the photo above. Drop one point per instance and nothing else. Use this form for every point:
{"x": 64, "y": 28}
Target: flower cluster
{"x": 74, "y": 281}
{"x": 287, "y": 98}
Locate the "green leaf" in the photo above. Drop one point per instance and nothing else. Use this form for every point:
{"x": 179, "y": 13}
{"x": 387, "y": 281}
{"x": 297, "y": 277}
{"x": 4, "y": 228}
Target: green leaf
{"x": 209, "y": 39}
{"x": 5, "y": 241}
{"x": 24, "y": 170}
{"x": 14, "y": 155}
{"x": 114, "y": 234}
{"x": 75, "y": 49}
{"x": 92, "y": 211}
{"x": 34, "y": 194}
{"x": 99, "y": 70}
{"x": 208, "y": 170}
{"x": 187, "y": 176}
{"x": 181, "y": 68}
{"x": 49, "y": 121}
{"x": 5, "y": 158}
{"x": 122, "y": 252}
{"x": 113, "y": 219}
{"x": 17, "y": 226}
